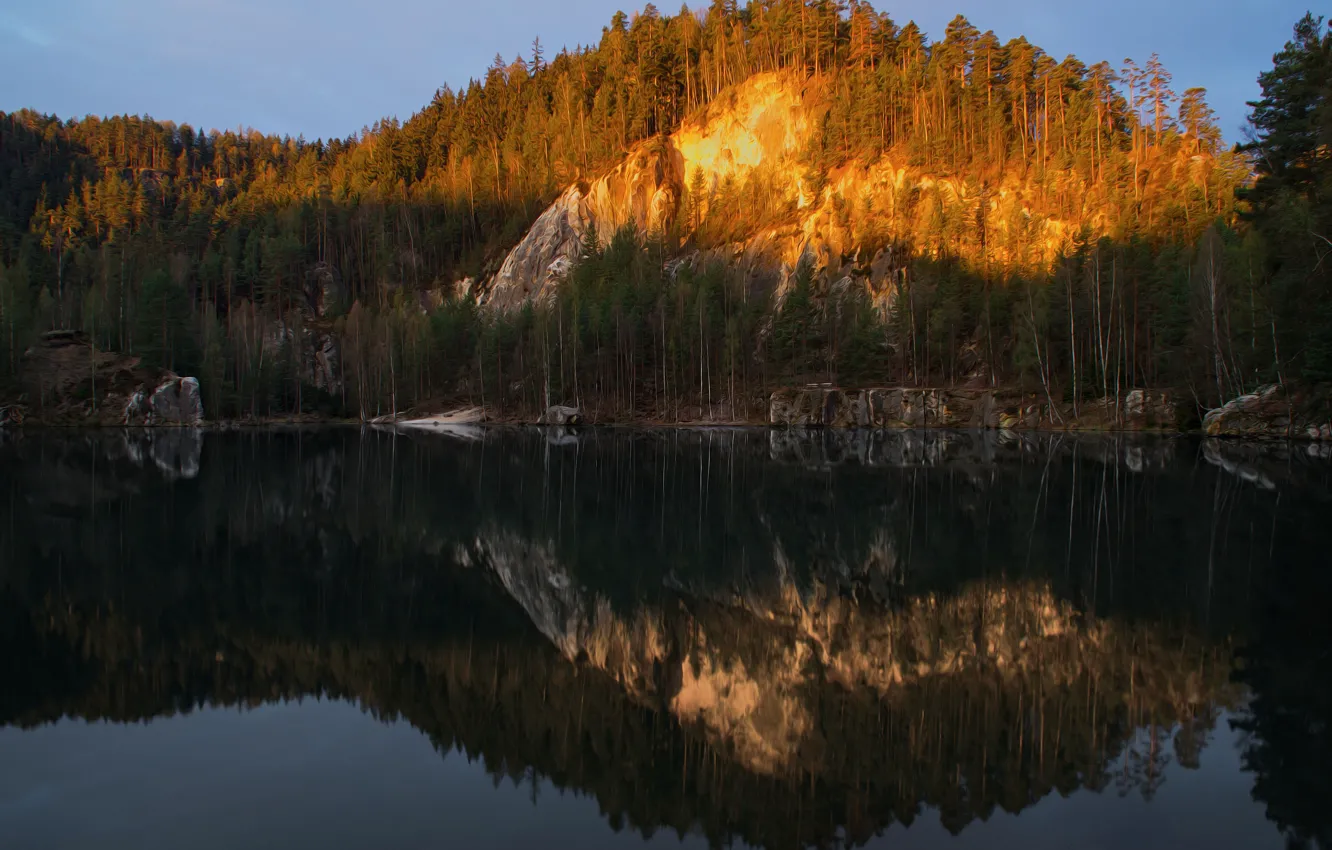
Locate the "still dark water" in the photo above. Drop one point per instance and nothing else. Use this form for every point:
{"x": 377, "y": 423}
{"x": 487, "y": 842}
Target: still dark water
{"x": 338, "y": 639}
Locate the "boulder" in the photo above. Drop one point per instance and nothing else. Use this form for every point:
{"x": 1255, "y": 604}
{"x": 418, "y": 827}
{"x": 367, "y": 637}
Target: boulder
{"x": 1274, "y": 412}
{"x": 137, "y": 411}
{"x": 1149, "y": 409}
{"x": 177, "y": 401}
{"x": 1263, "y": 413}
{"x": 560, "y": 414}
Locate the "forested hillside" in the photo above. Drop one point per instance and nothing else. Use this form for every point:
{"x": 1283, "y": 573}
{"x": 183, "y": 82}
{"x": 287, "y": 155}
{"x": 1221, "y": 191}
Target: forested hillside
{"x": 1051, "y": 224}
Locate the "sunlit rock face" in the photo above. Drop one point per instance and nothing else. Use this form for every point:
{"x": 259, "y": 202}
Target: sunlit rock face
{"x": 766, "y": 121}
{"x": 751, "y": 143}
{"x": 763, "y": 122}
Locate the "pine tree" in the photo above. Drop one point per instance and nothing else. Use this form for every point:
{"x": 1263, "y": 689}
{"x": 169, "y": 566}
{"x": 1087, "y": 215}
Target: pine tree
{"x": 162, "y": 325}
{"x": 1291, "y": 201}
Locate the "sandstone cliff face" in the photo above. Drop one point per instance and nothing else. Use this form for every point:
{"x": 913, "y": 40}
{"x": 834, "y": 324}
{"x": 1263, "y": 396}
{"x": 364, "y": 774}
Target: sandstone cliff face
{"x": 762, "y": 122}
{"x": 752, "y": 142}
{"x": 643, "y": 190}
{"x": 533, "y": 268}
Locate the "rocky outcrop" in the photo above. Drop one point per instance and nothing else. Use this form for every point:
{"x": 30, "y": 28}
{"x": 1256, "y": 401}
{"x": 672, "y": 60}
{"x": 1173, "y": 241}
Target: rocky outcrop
{"x": 560, "y": 414}
{"x": 319, "y": 352}
{"x": 66, "y": 380}
{"x": 763, "y": 124}
{"x": 1265, "y": 413}
{"x": 533, "y": 268}
{"x": 735, "y": 179}
{"x": 324, "y": 289}
{"x": 176, "y": 401}
{"x": 1272, "y": 412}
{"x": 900, "y": 407}
{"x": 324, "y": 367}
{"x": 643, "y": 191}
{"x": 1151, "y": 408}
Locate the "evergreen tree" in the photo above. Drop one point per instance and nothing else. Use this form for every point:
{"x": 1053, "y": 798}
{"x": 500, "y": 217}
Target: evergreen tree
{"x": 1291, "y": 201}
{"x": 162, "y": 328}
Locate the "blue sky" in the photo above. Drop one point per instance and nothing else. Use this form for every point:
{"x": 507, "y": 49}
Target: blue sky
{"x": 330, "y": 67}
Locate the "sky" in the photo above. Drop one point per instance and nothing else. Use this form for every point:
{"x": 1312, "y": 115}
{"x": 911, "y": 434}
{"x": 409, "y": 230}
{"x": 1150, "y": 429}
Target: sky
{"x": 328, "y": 68}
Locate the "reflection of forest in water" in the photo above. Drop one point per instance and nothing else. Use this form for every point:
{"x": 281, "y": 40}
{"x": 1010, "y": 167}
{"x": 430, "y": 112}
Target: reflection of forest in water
{"x": 768, "y": 636}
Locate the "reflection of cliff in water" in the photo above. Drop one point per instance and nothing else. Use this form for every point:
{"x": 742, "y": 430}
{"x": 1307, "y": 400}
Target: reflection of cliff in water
{"x": 672, "y": 621}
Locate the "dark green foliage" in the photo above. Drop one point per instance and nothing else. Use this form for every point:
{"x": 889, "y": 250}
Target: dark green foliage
{"x": 797, "y": 338}
{"x": 16, "y": 319}
{"x": 637, "y": 340}
{"x": 163, "y": 335}
{"x": 248, "y": 228}
{"x": 1291, "y": 201}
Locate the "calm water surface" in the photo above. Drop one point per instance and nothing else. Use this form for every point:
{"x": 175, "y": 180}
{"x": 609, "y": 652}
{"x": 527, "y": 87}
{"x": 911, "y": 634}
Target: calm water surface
{"x": 518, "y": 638}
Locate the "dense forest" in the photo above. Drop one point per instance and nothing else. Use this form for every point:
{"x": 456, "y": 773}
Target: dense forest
{"x": 239, "y": 257}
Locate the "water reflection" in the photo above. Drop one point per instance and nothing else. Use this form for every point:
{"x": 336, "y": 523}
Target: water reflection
{"x": 770, "y": 637}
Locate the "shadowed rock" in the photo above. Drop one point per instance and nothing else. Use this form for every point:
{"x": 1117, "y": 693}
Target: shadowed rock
{"x": 176, "y": 402}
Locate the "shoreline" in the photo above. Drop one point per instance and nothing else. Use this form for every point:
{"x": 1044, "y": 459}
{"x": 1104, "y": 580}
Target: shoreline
{"x": 1274, "y": 413}
{"x": 634, "y": 424}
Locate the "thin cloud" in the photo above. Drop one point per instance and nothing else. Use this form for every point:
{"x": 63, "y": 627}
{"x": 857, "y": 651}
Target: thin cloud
{"x": 25, "y": 32}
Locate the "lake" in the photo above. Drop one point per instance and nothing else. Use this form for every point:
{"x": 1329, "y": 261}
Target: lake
{"x": 523, "y": 638}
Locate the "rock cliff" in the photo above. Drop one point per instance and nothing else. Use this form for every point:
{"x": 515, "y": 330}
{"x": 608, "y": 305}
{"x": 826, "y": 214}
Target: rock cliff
{"x": 733, "y": 184}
